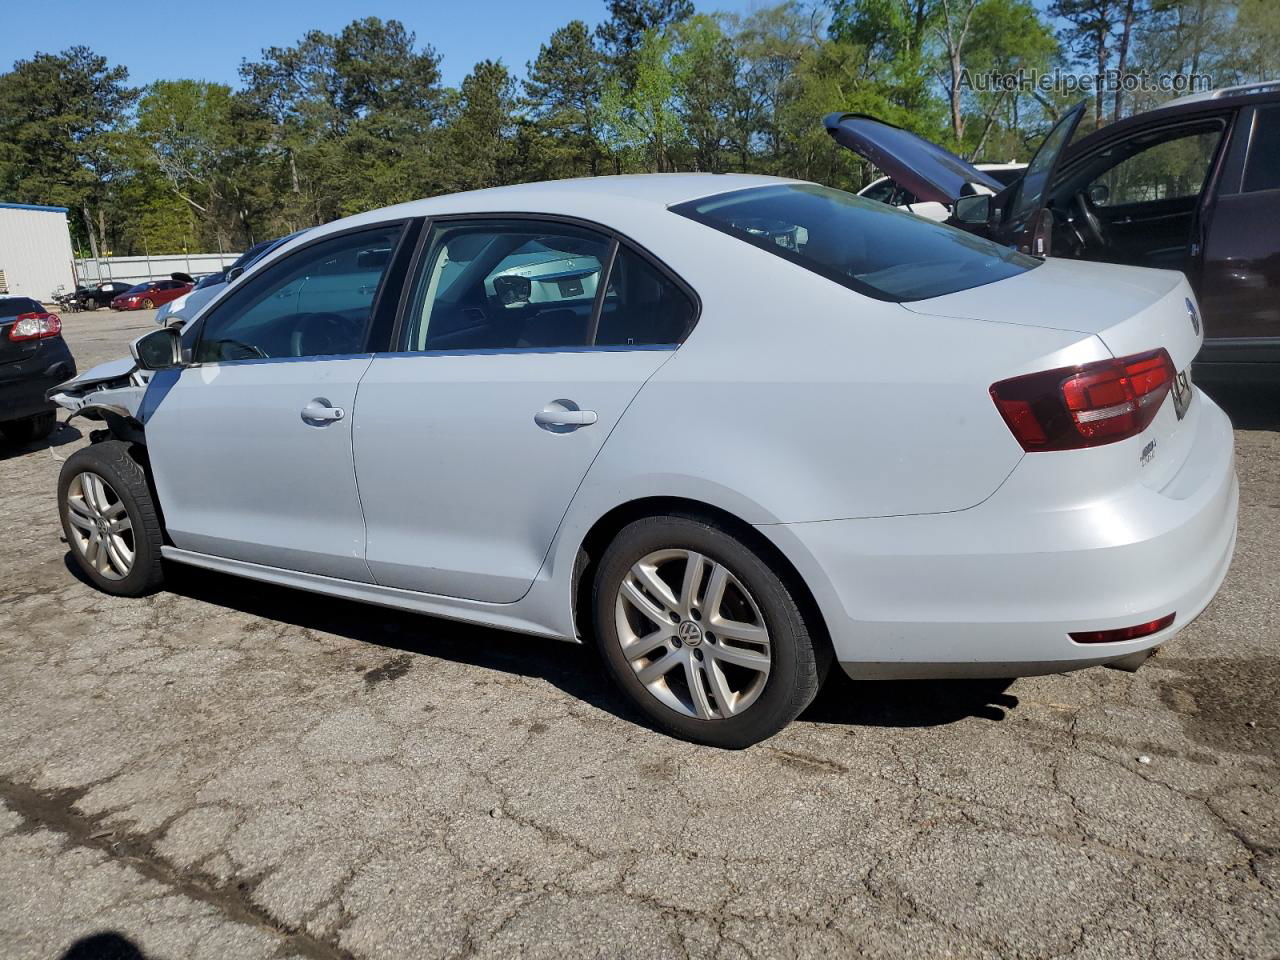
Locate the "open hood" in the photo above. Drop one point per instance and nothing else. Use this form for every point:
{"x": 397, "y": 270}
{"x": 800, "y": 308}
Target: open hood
{"x": 924, "y": 168}
{"x": 932, "y": 173}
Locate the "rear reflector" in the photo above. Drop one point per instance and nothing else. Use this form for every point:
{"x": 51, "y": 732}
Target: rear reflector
{"x": 1074, "y": 407}
{"x": 35, "y": 326}
{"x": 1123, "y": 633}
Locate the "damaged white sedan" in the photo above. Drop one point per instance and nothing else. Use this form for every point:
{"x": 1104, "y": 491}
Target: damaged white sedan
{"x": 732, "y": 429}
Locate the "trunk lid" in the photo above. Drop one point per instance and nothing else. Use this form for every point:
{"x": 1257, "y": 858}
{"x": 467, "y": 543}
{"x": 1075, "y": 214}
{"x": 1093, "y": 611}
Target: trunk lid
{"x": 1132, "y": 310}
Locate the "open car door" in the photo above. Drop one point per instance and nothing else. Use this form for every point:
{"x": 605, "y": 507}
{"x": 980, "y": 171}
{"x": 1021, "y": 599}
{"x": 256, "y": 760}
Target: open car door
{"x": 1019, "y": 218}
{"x": 1012, "y": 215}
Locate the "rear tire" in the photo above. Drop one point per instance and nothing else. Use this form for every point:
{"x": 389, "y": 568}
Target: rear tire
{"x": 720, "y": 656}
{"x": 110, "y": 519}
{"x": 30, "y": 429}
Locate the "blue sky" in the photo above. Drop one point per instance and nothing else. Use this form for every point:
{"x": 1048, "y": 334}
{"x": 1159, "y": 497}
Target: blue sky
{"x": 155, "y": 42}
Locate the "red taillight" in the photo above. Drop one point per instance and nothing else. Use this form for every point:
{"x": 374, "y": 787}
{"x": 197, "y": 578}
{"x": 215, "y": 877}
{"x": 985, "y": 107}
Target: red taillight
{"x": 1123, "y": 633}
{"x": 35, "y": 326}
{"x": 1074, "y": 407}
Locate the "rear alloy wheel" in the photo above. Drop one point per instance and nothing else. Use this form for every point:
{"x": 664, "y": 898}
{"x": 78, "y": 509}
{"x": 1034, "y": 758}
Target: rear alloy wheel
{"x": 110, "y": 520}
{"x": 30, "y": 429}
{"x": 702, "y": 633}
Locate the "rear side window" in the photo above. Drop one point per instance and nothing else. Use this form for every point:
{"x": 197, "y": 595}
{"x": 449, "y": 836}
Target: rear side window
{"x": 1262, "y": 172}
{"x": 866, "y": 246}
{"x": 13, "y": 306}
{"x": 525, "y": 284}
{"x": 642, "y": 306}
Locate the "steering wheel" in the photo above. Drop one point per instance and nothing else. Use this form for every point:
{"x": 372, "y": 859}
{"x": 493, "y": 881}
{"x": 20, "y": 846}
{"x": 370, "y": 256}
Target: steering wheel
{"x": 319, "y": 335}
{"x": 1090, "y": 227}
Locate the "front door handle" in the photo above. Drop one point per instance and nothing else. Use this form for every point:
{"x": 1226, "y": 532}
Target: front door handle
{"x": 562, "y": 416}
{"x": 321, "y": 410}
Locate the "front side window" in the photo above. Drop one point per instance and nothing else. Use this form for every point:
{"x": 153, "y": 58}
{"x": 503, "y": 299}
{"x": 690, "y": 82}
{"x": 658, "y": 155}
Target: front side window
{"x": 317, "y": 302}
{"x": 1168, "y": 169}
{"x": 528, "y": 284}
{"x": 874, "y": 249}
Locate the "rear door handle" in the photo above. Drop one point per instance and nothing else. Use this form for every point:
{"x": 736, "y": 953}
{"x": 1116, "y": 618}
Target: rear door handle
{"x": 321, "y": 410}
{"x": 561, "y": 416}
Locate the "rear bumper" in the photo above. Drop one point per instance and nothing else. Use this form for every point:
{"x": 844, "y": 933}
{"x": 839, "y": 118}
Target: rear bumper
{"x": 997, "y": 589}
{"x": 23, "y": 384}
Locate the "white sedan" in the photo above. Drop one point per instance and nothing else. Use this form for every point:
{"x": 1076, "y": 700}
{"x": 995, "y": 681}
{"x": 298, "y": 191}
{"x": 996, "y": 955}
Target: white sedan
{"x": 746, "y": 428}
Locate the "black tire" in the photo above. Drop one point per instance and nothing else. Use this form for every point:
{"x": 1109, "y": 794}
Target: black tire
{"x": 798, "y": 660}
{"x": 30, "y": 429}
{"x": 113, "y": 461}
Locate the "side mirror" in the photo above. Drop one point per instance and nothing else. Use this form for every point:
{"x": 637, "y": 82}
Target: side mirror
{"x": 1099, "y": 194}
{"x": 233, "y": 273}
{"x": 975, "y": 210}
{"x": 158, "y": 350}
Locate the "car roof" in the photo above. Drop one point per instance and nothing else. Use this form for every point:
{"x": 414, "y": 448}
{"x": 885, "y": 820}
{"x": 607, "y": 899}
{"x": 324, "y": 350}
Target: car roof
{"x": 630, "y": 195}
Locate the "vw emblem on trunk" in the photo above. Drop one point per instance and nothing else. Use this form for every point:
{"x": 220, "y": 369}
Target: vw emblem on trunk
{"x": 1194, "y": 315}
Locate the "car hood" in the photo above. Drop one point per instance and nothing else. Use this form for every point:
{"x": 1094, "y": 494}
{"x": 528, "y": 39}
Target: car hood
{"x": 924, "y": 168}
{"x": 102, "y": 373}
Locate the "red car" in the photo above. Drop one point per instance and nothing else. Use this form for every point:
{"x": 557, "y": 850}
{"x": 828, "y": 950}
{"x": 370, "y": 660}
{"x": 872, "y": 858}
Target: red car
{"x": 151, "y": 294}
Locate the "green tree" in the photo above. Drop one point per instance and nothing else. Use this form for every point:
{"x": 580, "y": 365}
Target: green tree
{"x": 630, "y": 22}
{"x": 58, "y": 113}
{"x": 562, "y": 100}
{"x": 479, "y": 138}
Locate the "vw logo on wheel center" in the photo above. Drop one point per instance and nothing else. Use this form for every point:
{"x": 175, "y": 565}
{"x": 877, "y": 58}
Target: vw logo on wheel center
{"x": 690, "y": 633}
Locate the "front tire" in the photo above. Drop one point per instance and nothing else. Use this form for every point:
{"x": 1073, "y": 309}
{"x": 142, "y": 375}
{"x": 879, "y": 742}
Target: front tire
{"x": 702, "y": 634}
{"x": 148, "y": 305}
{"x": 30, "y": 429}
{"x": 110, "y": 519}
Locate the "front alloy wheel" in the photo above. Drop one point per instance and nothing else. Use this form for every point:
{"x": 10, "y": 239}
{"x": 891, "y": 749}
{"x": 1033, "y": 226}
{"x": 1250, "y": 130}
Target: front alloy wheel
{"x": 698, "y": 625}
{"x": 110, "y": 519}
{"x": 101, "y": 529}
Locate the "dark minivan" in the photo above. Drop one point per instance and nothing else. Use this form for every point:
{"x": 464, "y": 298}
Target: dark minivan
{"x": 1193, "y": 186}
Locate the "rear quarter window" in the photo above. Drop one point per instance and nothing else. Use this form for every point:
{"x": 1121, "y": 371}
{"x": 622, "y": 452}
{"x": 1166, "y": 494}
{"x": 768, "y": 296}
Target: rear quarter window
{"x": 874, "y": 249}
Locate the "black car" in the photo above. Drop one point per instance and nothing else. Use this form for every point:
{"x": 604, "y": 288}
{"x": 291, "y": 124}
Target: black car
{"x": 1193, "y": 186}
{"x": 99, "y": 294}
{"x": 33, "y": 358}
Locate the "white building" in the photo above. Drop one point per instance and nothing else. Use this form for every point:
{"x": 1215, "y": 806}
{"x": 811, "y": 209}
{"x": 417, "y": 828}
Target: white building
{"x": 35, "y": 250}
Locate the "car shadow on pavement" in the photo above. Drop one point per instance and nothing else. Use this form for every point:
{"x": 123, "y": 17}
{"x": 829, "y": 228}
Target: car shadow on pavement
{"x": 574, "y": 669}
{"x": 1250, "y": 406}
{"x": 107, "y": 945}
{"x": 62, "y": 434}
{"x": 908, "y": 703}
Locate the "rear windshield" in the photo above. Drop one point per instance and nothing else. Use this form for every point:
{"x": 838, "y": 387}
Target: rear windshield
{"x": 12, "y": 306}
{"x": 866, "y": 246}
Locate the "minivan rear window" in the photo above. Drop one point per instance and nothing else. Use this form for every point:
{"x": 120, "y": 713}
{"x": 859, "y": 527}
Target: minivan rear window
{"x": 869, "y": 247}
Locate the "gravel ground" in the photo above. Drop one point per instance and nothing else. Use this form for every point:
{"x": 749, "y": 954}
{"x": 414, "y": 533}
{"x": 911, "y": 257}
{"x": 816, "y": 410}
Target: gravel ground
{"x": 228, "y": 769}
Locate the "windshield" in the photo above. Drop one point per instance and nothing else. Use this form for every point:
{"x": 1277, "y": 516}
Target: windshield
{"x": 869, "y": 247}
{"x": 140, "y": 288}
{"x": 12, "y": 306}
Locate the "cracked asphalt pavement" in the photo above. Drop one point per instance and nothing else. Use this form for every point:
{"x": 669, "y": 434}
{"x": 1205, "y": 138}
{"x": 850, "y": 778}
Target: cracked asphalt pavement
{"x": 227, "y": 769}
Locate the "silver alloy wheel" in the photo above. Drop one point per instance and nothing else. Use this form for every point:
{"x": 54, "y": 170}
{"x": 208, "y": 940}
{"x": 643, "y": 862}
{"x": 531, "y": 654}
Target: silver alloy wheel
{"x": 103, "y": 532}
{"x": 693, "y": 634}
